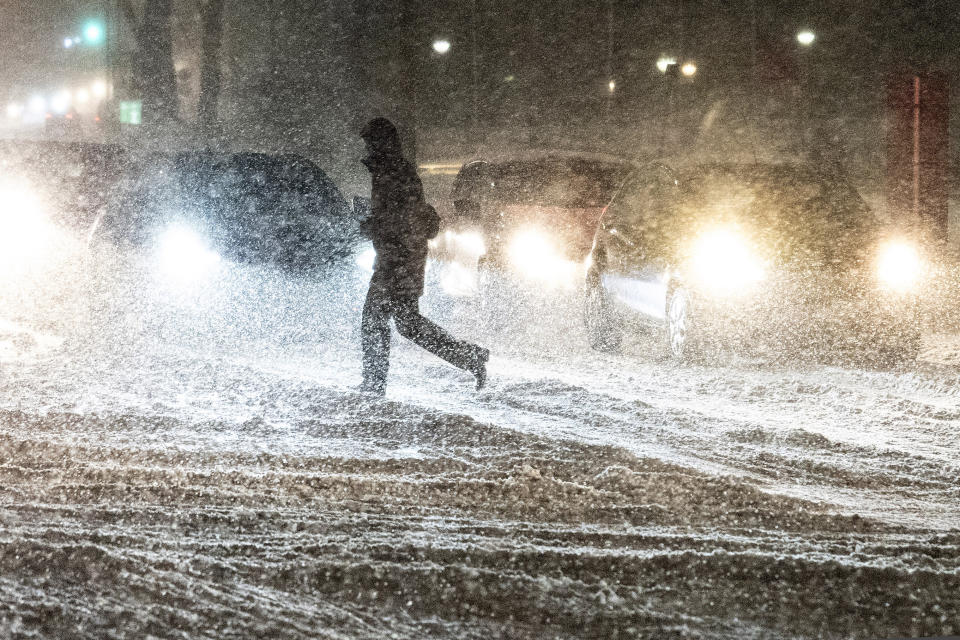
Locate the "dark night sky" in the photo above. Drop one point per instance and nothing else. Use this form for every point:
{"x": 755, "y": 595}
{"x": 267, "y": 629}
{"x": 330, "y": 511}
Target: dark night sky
{"x": 298, "y": 66}
{"x": 563, "y": 44}
{"x": 31, "y": 34}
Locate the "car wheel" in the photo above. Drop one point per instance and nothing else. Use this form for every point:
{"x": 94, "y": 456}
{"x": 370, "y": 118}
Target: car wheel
{"x": 678, "y": 323}
{"x": 489, "y": 299}
{"x": 604, "y": 329}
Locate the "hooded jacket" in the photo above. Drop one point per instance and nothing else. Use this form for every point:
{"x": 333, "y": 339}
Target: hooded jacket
{"x": 394, "y": 226}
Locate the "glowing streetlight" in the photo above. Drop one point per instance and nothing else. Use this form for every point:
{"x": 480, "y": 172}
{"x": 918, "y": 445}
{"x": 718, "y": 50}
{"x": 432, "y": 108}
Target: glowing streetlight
{"x": 612, "y": 86}
{"x": 806, "y": 37}
{"x": 99, "y": 88}
{"x": 67, "y": 43}
{"x": 93, "y": 32}
{"x": 665, "y": 63}
{"x": 441, "y": 46}
{"x": 688, "y": 69}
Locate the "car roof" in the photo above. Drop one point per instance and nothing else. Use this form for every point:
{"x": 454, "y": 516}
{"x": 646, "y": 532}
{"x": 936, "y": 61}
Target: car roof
{"x": 553, "y": 155}
{"x": 754, "y": 169}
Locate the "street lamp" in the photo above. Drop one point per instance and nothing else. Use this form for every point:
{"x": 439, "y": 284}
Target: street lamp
{"x": 806, "y": 37}
{"x": 441, "y": 46}
{"x": 93, "y": 32}
{"x": 688, "y": 69}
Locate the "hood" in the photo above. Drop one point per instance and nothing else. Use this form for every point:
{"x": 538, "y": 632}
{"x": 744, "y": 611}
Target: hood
{"x": 383, "y": 141}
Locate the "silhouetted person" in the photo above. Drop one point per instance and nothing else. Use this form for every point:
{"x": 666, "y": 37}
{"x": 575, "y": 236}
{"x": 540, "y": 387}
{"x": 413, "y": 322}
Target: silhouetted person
{"x": 399, "y": 225}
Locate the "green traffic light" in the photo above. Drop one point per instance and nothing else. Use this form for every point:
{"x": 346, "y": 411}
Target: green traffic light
{"x": 93, "y": 32}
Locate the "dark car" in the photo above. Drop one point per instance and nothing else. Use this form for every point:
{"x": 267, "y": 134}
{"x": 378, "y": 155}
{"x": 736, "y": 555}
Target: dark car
{"x": 533, "y": 217}
{"x": 751, "y": 256}
{"x": 243, "y": 207}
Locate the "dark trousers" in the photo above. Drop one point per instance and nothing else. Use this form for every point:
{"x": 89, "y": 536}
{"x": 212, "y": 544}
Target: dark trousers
{"x": 379, "y": 307}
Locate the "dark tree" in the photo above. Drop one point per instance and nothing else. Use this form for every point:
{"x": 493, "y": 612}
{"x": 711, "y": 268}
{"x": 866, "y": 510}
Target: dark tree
{"x": 211, "y": 12}
{"x": 153, "y": 65}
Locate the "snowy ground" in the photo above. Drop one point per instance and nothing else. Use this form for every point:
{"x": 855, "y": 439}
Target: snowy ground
{"x": 201, "y": 468}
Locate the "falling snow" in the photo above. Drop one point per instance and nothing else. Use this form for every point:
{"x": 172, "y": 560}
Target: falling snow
{"x": 166, "y": 476}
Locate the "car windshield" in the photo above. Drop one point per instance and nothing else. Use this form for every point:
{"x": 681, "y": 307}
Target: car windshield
{"x": 555, "y": 183}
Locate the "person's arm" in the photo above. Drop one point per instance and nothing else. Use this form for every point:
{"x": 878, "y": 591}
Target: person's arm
{"x": 366, "y": 225}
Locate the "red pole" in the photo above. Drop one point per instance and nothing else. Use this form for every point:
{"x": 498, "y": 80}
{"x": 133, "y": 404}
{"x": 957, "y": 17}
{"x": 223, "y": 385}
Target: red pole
{"x": 916, "y": 147}
{"x": 917, "y": 151}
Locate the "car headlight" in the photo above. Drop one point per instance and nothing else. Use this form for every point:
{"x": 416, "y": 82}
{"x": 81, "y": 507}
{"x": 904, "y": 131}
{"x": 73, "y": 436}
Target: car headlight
{"x": 183, "y": 254}
{"x": 899, "y": 265}
{"x": 366, "y": 258}
{"x": 723, "y": 262}
{"x": 470, "y": 243}
{"x": 25, "y": 230}
{"x": 535, "y": 256}
{"x": 458, "y": 280}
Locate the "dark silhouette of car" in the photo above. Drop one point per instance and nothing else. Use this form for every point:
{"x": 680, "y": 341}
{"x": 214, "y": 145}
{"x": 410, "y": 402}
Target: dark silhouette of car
{"x": 533, "y": 217}
{"x": 250, "y": 208}
{"x": 762, "y": 258}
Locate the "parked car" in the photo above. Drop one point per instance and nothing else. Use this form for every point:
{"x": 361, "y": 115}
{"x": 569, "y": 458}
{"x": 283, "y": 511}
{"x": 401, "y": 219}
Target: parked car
{"x": 772, "y": 256}
{"x": 532, "y": 217}
{"x": 249, "y": 208}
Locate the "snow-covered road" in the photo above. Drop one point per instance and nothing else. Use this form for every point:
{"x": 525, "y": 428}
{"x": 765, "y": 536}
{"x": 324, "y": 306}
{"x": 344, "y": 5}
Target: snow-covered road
{"x": 201, "y": 468}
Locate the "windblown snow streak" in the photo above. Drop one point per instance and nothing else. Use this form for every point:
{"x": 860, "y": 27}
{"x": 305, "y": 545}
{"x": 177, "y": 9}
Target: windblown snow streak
{"x": 155, "y": 481}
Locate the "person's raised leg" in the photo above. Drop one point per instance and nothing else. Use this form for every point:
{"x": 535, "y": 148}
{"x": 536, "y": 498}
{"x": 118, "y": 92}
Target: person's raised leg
{"x": 435, "y": 339}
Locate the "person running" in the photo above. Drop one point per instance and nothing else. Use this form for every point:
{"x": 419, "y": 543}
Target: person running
{"x": 400, "y": 224}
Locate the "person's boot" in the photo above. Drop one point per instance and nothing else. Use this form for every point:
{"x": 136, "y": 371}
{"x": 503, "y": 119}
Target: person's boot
{"x": 372, "y": 388}
{"x": 479, "y": 369}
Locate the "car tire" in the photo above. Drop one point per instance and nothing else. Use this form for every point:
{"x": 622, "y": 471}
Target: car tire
{"x": 491, "y": 303}
{"x": 678, "y": 324}
{"x": 686, "y": 339}
{"x": 604, "y": 326}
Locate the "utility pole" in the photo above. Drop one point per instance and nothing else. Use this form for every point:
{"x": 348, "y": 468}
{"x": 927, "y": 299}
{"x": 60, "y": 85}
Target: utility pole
{"x": 917, "y": 151}
{"x": 612, "y": 85}
{"x": 475, "y": 72}
{"x": 212, "y": 21}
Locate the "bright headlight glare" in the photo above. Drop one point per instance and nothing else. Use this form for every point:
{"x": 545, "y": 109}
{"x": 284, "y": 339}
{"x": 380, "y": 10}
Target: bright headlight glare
{"x": 469, "y": 242}
{"x": 723, "y": 262}
{"x": 458, "y": 280}
{"x": 366, "y": 258}
{"x": 535, "y": 256}
{"x": 184, "y": 254}
{"x": 899, "y": 265}
{"x": 25, "y": 230}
